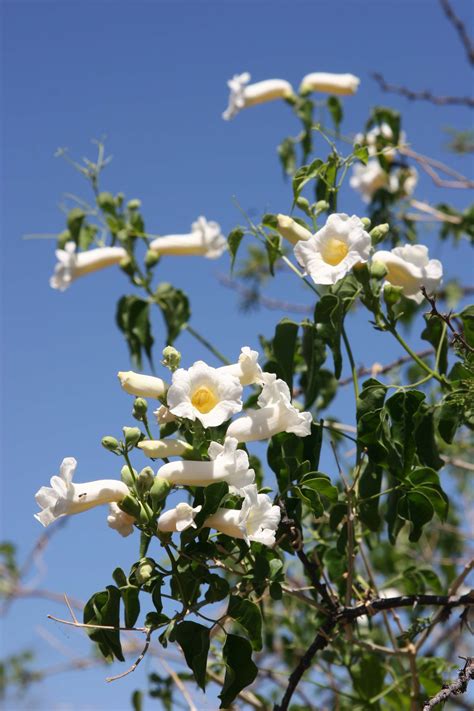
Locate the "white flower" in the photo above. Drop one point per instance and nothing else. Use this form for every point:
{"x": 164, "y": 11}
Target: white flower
{"x": 330, "y": 83}
{"x": 291, "y": 230}
{"x": 204, "y": 393}
{"x": 163, "y": 448}
{"x": 277, "y": 414}
{"x": 142, "y": 385}
{"x": 65, "y": 498}
{"x": 242, "y": 94}
{"x": 120, "y": 521}
{"x": 370, "y": 140}
{"x": 163, "y": 415}
{"x": 227, "y": 464}
{"x": 403, "y": 180}
{"x": 247, "y": 369}
{"x": 367, "y": 179}
{"x": 332, "y": 252}
{"x": 257, "y": 520}
{"x": 205, "y": 239}
{"x": 72, "y": 265}
{"x": 411, "y": 268}
{"x": 178, "y": 519}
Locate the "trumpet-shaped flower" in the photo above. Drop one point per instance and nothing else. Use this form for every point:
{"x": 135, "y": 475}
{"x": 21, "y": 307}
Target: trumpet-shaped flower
{"x": 330, "y": 83}
{"x": 332, "y": 252}
{"x": 403, "y": 180}
{"x": 243, "y": 94}
{"x": 291, "y": 230}
{"x": 411, "y": 268}
{"x": 120, "y": 521}
{"x": 163, "y": 416}
{"x": 257, "y": 520}
{"x": 178, "y": 519}
{"x": 65, "y": 498}
{"x": 205, "y": 393}
{"x": 72, "y": 265}
{"x": 227, "y": 464}
{"x": 276, "y": 414}
{"x": 142, "y": 385}
{"x": 205, "y": 239}
{"x": 247, "y": 369}
{"x": 163, "y": 448}
{"x": 367, "y": 179}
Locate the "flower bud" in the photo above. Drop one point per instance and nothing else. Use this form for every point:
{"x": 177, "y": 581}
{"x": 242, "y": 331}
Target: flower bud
{"x": 392, "y": 294}
{"x": 379, "y": 232}
{"x": 151, "y": 258}
{"x": 131, "y": 506}
{"x": 144, "y": 571}
{"x": 366, "y": 222}
{"x": 159, "y": 491}
{"x": 111, "y": 443}
{"x": 106, "y": 202}
{"x": 132, "y": 436}
{"x": 291, "y": 230}
{"x": 142, "y": 385}
{"x": 378, "y": 270}
{"x": 127, "y": 476}
{"x": 140, "y": 407}
{"x": 303, "y": 204}
{"x": 145, "y": 480}
{"x": 171, "y": 358}
{"x": 320, "y": 206}
{"x": 134, "y": 204}
{"x": 126, "y": 265}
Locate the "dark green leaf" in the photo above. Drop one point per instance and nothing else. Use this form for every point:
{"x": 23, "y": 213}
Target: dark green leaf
{"x": 467, "y": 318}
{"x": 240, "y": 669}
{"x": 233, "y": 240}
{"x": 362, "y": 153}
{"x": 103, "y": 609}
{"x": 284, "y": 345}
{"x": 174, "y": 305}
{"x": 369, "y": 485}
{"x": 194, "y": 640}
{"x": 328, "y": 317}
{"x": 433, "y": 332}
{"x": 335, "y": 109}
{"x": 247, "y": 614}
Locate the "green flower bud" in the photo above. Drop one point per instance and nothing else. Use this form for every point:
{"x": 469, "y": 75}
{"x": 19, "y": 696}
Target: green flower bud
{"x": 392, "y": 294}
{"x": 126, "y": 475}
{"x": 151, "y": 258}
{"x": 131, "y": 506}
{"x": 379, "y": 232}
{"x": 171, "y": 358}
{"x": 126, "y": 265}
{"x": 159, "y": 491}
{"x": 320, "y": 206}
{"x": 63, "y": 238}
{"x": 140, "y": 407}
{"x": 134, "y": 204}
{"x": 145, "y": 480}
{"x": 111, "y": 443}
{"x": 119, "y": 198}
{"x": 144, "y": 571}
{"x": 132, "y": 436}
{"x": 378, "y": 270}
{"x": 366, "y": 222}
{"x": 106, "y": 202}
{"x": 303, "y": 203}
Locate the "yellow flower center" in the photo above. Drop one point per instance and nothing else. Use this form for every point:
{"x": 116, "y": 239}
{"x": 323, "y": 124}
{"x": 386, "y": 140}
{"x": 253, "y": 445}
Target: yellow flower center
{"x": 334, "y": 251}
{"x": 204, "y": 400}
{"x": 397, "y": 275}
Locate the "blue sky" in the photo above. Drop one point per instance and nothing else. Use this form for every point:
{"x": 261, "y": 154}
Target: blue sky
{"x": 152, "y": 76}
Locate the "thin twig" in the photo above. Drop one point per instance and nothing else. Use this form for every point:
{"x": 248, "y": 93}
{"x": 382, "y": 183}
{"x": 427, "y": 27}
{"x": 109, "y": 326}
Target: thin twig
{"x": 460, "y": 28}
{"x": 434, "y": 212}
{"x": 422, "y": 95}
{"x": 431, "y": 166}
{"x": 458, "y": 337}
{"x": 456, "y": 687}
{"x": 137, "y": 662}
{"x": 185, "y": 693}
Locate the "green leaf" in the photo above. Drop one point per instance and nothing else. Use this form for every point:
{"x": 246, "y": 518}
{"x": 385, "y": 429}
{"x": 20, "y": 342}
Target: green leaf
{"x": 432, "y": 333}
{"x": 287, "y": 153}
{"x": 402, "y": 409}
{"x": 368, "y": 676}
{"x": 312, "y": 445}
{"x": 467, "y": 318}
{"x": 174, "y": 305}
{"x": 233, "y": 240}
{"x": 284, "y": 346}
{"x": 218, "y": 588}
{"x": 322, "y": 484}
{"x": 335, "y": 109}
{"x": 247, "y": 614}
{"x": 194, "y": 640}
{"x": 272, "y": 246}
{"x": 240, "y": 669}
{"x": 75, "y": 219}
{"x": 304, "y": 175}
{"x": 103, "y": 609}
{"x": 425, "y": 440}
{"x": 369, "y": 485}
{"x": 416, "y": 508}
{"x": 328, "y": 317}
{"x": 133, "y": 319}
{"x": 137, "y": 700}
{"x": 362, "y": 153}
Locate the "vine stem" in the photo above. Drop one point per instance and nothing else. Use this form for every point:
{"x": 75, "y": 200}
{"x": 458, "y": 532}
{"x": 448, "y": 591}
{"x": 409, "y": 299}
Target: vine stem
{"x": 195, "y": 334}
{"x": 351, "y": 361}
{"x": 412, "y": 353}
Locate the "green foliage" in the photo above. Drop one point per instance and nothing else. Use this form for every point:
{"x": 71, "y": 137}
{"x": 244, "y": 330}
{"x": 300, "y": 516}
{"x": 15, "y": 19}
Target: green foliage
{"x": 174, "y": 305}
{"x": 133, "y": 319}
{"x": 193, "y": 639}
{"x": 240, "y": 669}
{"x": 103, "y": 609}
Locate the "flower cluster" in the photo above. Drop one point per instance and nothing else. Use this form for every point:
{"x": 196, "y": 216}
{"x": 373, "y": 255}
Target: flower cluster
{"x": 244, "y": 94}
{"x": 212, "y": 396}
{"x": 343, "y": 243}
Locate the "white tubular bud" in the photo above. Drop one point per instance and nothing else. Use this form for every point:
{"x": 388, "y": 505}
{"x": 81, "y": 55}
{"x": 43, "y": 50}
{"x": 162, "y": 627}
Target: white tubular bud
{"x": 142, "y": 385}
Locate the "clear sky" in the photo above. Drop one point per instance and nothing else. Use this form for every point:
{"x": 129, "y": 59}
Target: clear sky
{"x": 152, "y": 76}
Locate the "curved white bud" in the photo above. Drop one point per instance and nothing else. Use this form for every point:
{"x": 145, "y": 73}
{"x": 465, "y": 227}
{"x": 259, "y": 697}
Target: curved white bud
{"x": 178, "y": 519}
{"x": 291, "y": 230}
{"x": 163, "y": 448}
{"x": 341, "y": 84}
{"x": 142, "y": 385}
